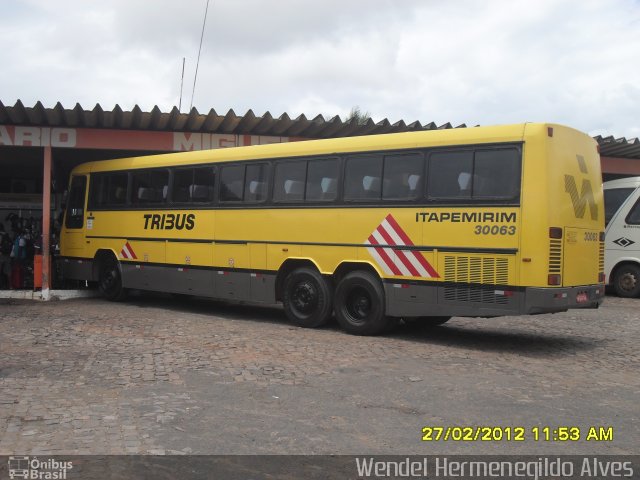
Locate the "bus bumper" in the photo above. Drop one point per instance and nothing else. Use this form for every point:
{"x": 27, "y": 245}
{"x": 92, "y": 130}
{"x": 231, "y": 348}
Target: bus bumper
{"x": 414, "y": 300}
{"x": 549, "y": 300}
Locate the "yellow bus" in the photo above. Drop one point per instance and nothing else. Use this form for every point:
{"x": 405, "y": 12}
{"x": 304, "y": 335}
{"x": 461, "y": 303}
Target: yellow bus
{"x": 477, "y": 222}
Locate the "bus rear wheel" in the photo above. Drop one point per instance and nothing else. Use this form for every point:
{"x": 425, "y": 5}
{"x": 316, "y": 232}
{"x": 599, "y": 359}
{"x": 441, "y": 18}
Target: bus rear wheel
{"x": 626, "y": 281}
{"x": 110, "y": 279}
{"x": 359, "y": 304}
{"x": 307, "y": 298}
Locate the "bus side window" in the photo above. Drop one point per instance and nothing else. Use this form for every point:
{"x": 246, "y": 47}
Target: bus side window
{"x": 256, "y": 183}
{"x": 182, "y": 179}
{"x": 116, "y": 191}
{"x": 613, "y": 199}
{"x": 193, "y": 185}
{"x": 98, "y": 191}
{"x": 149, "y": 186}
{"x": 449, "y": 174}
{"x": 496, "y": 174}
{"x": 402, "y": 176}
{"x": 362, "y": 178}
{"x": 75, "y": 204}
{"x": 288, "y": 183}
{"x": 634, "y": 215}
{"x": 204, "y": 179}
{"x": 322, "y": 180}
{"x": 231, "y": 183}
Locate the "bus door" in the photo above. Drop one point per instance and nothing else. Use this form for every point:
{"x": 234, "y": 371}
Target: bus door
{"x": 74, "y": 219}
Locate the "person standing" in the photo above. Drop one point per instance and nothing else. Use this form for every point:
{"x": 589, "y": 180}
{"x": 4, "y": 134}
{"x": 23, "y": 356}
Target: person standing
{"x": 18, "y": 257}
{"x": 6, "y": 245}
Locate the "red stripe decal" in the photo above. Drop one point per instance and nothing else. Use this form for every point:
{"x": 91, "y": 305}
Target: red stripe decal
{"x": 423, "y": 261}
{"x": 398, "y": 230}
{"x": 427, "y": 266}
{"x": 384, "y": 256}
{"x": 399, "y": 253}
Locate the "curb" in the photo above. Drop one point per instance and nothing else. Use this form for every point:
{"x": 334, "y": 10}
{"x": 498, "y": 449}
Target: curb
{"x": 53, "y": 294}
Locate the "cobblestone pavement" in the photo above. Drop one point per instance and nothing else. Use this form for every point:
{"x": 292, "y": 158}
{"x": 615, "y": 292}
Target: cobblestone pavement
{"x": 156, "y": 375}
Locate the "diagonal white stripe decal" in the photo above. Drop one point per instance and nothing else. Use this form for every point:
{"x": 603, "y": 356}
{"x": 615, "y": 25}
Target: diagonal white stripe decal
{"x": 410, "y": 255}
{"x": 391, "y": 232}
{"x": 394, "y": 261}
{"x": 392, "y": 255}
{"x": 381, "y": 263}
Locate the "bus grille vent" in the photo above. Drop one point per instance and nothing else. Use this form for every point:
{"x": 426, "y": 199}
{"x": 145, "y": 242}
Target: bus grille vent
{"x": 480, "y": 274}
{"x": 601, "y": 257}
{"x": 555, "y": 256}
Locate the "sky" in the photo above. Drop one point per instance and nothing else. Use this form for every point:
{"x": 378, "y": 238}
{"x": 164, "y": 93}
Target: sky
{"x": 575, "y": 62}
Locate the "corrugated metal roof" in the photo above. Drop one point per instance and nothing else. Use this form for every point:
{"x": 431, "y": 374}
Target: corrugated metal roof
{"x": 247, "y": 124}
{"x": 194, "y": 121}
{"x": 619, "y": 147}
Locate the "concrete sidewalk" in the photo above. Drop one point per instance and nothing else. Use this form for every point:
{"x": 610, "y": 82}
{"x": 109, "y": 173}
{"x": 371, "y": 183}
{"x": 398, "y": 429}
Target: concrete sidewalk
{"x": 53, "y": 294}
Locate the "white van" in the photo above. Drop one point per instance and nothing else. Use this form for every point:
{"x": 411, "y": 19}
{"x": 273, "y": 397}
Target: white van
{"x": 622, "y": 235}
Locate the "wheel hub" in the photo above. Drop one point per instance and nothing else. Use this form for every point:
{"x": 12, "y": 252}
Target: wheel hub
{"x": 628, "y": 282}
{"x": 359, "y": 304}
{"x": 305, "y": 297}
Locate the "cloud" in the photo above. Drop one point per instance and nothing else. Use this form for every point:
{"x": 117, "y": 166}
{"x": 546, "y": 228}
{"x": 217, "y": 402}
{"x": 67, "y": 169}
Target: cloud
{"x": 570, "y": 61}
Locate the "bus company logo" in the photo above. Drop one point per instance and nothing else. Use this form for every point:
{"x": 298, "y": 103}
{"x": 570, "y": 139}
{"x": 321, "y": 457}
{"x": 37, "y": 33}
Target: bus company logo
{"x": 580, "y": 200}
{"x": 397, "y": 261}
{"x": 623, "y": 242}
{"x": 127, "y": 252}
{"x": 34, "y": 468}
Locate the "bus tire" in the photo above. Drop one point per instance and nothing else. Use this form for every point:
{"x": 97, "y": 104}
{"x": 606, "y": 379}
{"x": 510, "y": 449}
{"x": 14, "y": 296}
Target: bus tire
{"x": 359, "y": 304}
{"x": 307, "y": 298}
{"x": 110, "y": 279}
{"x": 626, "y": 281}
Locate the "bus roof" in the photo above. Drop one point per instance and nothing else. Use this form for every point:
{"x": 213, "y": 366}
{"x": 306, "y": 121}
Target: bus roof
{"x": 408, "y": 140}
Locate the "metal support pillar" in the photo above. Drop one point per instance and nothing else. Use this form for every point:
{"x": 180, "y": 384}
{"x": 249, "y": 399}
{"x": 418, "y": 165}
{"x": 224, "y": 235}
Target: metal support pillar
{"x": 46, "y": 223}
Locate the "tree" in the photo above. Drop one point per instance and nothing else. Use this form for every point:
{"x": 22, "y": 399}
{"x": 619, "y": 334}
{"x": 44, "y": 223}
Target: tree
{"x": 360, "y": 117}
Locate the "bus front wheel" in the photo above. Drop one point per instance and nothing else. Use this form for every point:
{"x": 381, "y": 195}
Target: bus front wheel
{"x": 626, "y": 281}
{"x": 307, "y": 298}
{"x": 110, "y": 279}
{"x": 359, "y": 304}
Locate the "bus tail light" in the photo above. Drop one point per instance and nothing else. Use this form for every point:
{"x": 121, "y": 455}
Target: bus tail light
{"x": 554, "y": 279}
{"x": 555, "y": 232}
{"x": 601, "y": 277}
{"x": 504, "y": 293}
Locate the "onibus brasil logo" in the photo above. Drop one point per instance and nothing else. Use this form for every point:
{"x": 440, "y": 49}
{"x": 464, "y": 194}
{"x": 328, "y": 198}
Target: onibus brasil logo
{"x": 34, "y": 468}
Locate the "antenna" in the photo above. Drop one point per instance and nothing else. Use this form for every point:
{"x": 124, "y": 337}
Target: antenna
{"x": 195, "y": 77}
{"x": 181, "y": 83}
